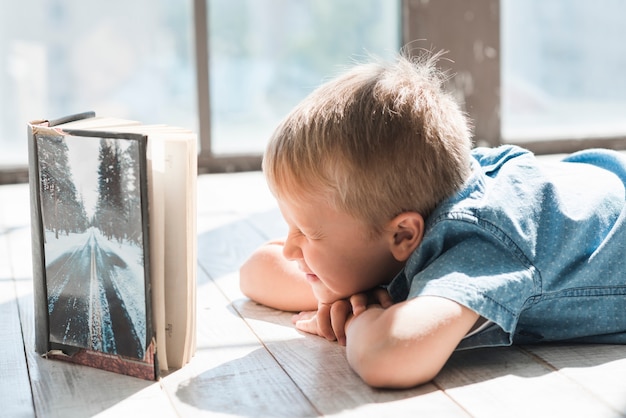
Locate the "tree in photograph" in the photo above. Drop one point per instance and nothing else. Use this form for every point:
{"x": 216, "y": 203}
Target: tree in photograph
{"x": 132, "y": 198}
{"x": 110, "y": 211}
{"x": 63, "y": 210}
{"x": 82, "y": 220}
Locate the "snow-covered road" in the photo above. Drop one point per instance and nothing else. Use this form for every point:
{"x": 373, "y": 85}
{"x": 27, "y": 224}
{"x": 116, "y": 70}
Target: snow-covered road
{"x": 96, "y": 294}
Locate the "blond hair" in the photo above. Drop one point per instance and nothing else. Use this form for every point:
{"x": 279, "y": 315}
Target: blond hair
{"x": 379, "y": 140}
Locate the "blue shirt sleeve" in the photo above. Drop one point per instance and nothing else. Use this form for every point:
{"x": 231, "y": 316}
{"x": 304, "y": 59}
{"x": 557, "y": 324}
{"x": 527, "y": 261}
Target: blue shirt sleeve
{"x": 480, "y": 269}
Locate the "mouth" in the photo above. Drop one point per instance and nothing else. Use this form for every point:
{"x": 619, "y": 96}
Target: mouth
{"x": 312, "y": 278}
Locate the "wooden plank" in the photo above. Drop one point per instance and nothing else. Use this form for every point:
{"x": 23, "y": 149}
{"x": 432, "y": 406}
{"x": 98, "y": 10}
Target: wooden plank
{"x": 270, "y": 223}
{"x": 15, "y": 394}
{"x": 225, "y": 199}
{"x": 61, "y": 389}
{"x": 600, "y": 369}
{"x": 251, "y": 360}
{"x": 315, "y": 365}
{"x": 66, "y": 390}
{"x": 320, "y": 369}
{"x": 223, "y": 249}
{"x": 232, "y": 372}
{"x": 498, "y": 382}
{"x": 240, "y": 193}
{"x": 229, "y": 356}
{"x": 236, "y": 214}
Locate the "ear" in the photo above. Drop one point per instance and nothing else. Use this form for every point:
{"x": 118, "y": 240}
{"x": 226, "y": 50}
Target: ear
{"x": 407, "y": 231}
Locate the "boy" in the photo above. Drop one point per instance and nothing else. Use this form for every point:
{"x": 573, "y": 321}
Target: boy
{"x": 405, "y": 244}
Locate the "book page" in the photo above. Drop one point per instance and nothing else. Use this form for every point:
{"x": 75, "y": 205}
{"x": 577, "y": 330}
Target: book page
{"x": 98, "y": 123}
{"x": 180, "y": 238}
{"x": 156, "y": 171}
{"x": 192, "y": 254}
{"x": 175, "y": 196}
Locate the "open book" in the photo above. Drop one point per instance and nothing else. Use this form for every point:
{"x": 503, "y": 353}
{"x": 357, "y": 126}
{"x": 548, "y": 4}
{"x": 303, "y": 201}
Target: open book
{"x": 113, "y": 215}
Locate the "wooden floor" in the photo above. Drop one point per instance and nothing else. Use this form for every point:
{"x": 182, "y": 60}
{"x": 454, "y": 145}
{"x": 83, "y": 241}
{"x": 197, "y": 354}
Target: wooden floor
{"x": 252, "y": 362}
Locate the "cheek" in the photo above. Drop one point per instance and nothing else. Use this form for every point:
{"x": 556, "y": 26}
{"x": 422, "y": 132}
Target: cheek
{"x": 370, "y": 270}
{"x": 347, "y": 277}
{"x": 325, "y": 264}
{"x": 333, "y": 270}
{"x": 345, "y": 273}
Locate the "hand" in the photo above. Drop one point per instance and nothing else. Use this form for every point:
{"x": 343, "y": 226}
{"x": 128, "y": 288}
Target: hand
{"x": 378, "y": 296}
{"x": 329, "y": 321}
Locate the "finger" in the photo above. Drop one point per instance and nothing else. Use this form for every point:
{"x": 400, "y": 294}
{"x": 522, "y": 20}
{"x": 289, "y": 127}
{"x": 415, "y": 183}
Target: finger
{"x": 339, "y": 312}
{"x": 302, "y": 315}
{"x": 307, "y": 325}
{"x": 383, "y": 297}
{"x": 324, "y": 326}
{"x": 358, "y": 303}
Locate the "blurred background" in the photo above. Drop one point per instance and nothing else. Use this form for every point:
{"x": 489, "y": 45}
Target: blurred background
{"x": 547, "y": 74}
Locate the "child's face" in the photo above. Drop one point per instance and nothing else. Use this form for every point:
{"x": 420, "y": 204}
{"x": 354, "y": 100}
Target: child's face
{"x": 336, "y": 251}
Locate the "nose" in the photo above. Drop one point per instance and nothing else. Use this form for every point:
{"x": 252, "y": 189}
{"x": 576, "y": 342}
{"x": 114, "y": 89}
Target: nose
{"x": 291, "y": 251}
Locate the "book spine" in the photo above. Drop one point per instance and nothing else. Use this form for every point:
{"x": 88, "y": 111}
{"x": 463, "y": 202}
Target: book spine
{"x": 72, "y": 118}
{"x": 39, "y": 286}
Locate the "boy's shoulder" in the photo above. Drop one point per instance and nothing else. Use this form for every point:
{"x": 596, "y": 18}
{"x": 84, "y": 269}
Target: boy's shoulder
{"x": 491, "y": 159}
{"x": 500, "y": 165}
{"x": 519, "y": 195}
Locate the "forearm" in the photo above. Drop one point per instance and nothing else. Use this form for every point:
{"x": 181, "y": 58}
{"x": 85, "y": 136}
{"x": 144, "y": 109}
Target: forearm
{"x": 373, "y": 353}
{"x": 268, "y": 278}
{"x": 407, "y": 344}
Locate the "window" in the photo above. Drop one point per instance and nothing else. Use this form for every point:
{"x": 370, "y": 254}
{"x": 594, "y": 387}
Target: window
{"x": 543, "y": 74}
{"x": 124, "y": 58}
{"x": 136, "y": 59}
{"x": 562, "y": 69}
{"x": 267, "y": 55}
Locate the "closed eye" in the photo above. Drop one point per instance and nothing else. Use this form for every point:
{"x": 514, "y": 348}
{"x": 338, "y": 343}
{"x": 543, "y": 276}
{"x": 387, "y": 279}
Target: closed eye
{"x": 309, "y": 235}
{"x": 295, "y": 233}
{"x": 315, "y": 236}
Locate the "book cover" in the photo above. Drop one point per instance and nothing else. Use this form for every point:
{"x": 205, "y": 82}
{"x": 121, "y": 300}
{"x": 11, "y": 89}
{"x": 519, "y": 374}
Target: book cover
{"x": 91, "y": 248}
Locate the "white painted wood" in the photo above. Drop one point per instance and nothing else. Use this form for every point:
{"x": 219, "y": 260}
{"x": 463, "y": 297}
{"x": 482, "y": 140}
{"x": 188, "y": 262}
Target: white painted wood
{"x": 61, "y": 389}
{"x": 15, "y": 394}
{"x": 232, "y": 372}
{"x": 600, "y": 369}
{"x": 497, "y": 382}
{"x": 252, "y": 362}
{"x": 320, "y": 369}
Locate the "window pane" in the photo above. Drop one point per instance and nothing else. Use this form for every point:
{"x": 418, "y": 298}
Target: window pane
{"x": 266, "y": 55}
{"x": 563, "y": 66}
{"x": 123, "y": 58}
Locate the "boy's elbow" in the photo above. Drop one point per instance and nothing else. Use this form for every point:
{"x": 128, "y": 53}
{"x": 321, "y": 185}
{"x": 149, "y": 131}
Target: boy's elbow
{"x": 261, "y": 267}
{"x": 385, "y": 369}
{"x": 247, "y": 283}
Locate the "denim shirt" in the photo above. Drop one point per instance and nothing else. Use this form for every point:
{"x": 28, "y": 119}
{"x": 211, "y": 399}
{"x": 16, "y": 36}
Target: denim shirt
{"x": 537, "y": 249}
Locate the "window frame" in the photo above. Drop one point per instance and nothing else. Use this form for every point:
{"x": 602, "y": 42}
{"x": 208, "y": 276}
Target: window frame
{"x": 476, "y": 81}
{"x": 478, "y": 22}
{"x": 208, "y": 161}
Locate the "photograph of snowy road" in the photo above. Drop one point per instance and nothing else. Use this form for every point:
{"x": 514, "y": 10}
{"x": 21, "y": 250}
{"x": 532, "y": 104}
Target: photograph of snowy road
{"x": 94, "y": 243}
